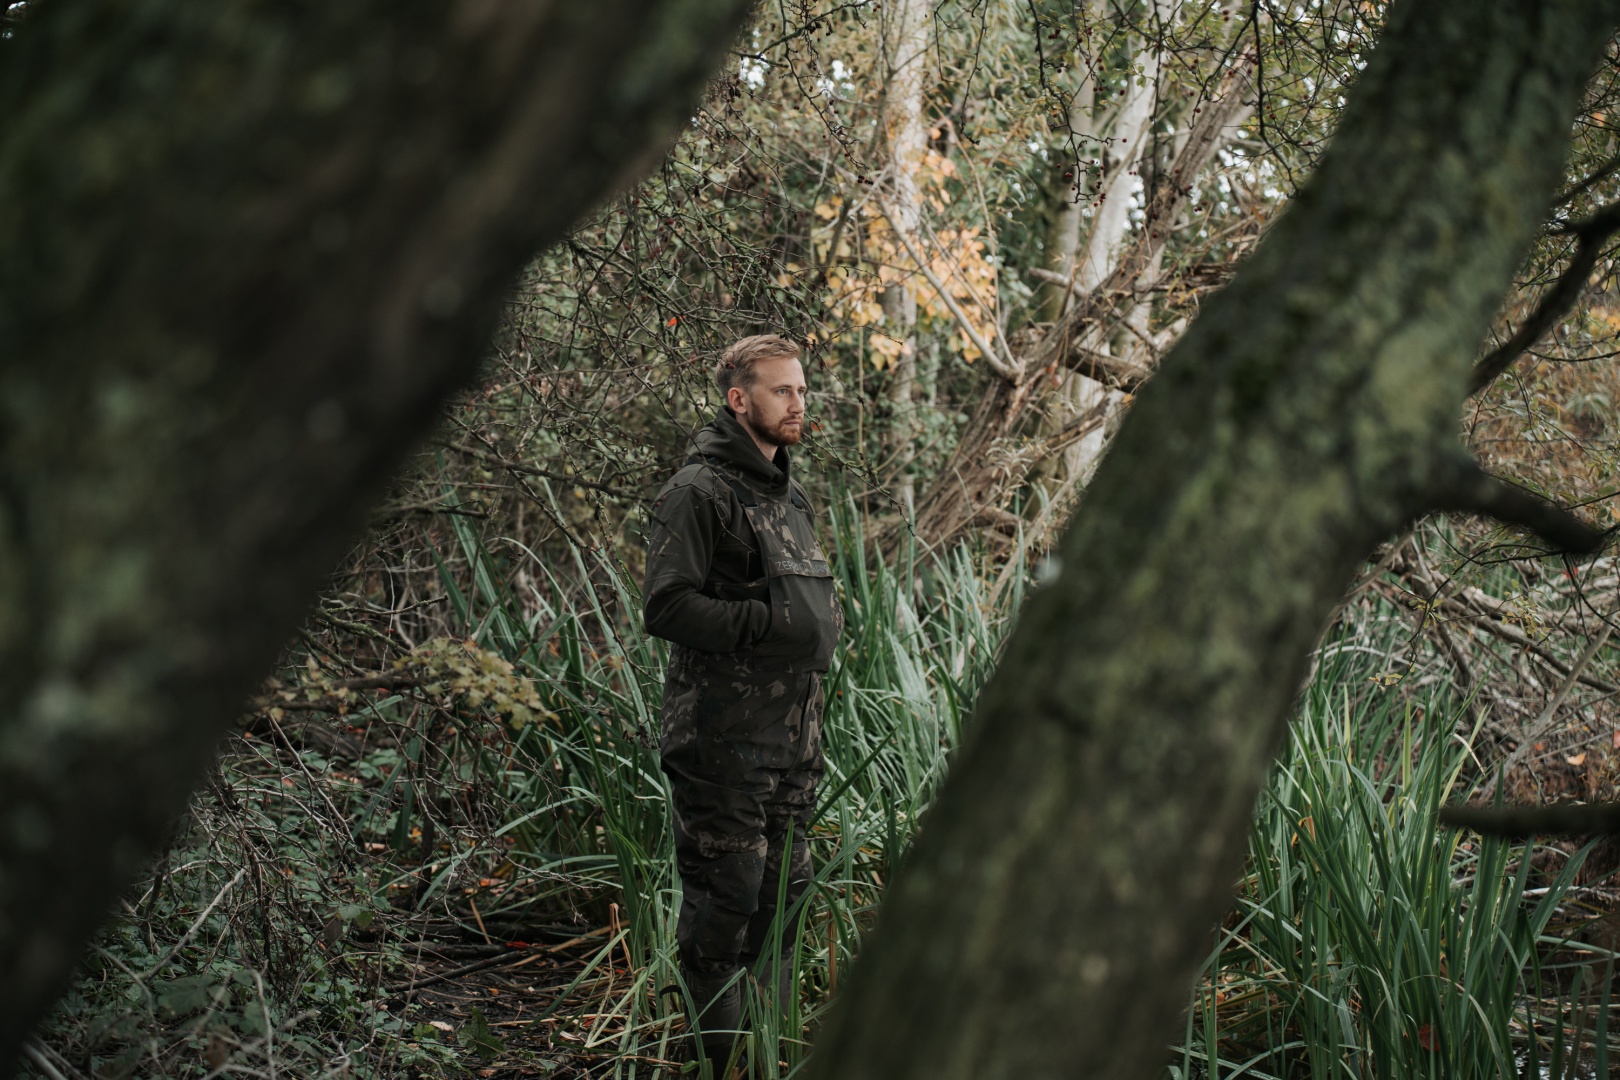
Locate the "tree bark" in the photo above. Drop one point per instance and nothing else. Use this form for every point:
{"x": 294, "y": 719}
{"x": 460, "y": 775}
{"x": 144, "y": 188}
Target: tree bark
{"x": 1065, "y": 184}
{"x": 1063, "y": 889}
{"x": 906, "y": 25}
{"x": 248, "y": 251}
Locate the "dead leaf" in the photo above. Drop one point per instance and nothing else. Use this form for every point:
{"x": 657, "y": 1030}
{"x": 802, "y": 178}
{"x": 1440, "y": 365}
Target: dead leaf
{"x": 218, "y": 1051}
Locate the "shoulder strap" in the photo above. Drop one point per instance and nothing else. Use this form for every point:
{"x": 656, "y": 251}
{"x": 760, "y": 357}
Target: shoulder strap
{"x": 744, "y": 496}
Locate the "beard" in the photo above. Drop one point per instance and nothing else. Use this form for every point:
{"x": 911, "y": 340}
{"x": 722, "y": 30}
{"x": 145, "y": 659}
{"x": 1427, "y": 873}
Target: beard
{"x": 782, "y": 433}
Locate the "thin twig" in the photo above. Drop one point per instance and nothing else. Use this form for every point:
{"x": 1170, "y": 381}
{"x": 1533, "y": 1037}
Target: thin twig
{"x": 1535, "y": 730}
{"x": 195, "y": 926}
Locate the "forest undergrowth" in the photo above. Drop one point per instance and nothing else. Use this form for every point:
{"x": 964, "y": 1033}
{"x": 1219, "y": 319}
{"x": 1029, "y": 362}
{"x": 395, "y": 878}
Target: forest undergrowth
{"x": 458, "y": 861}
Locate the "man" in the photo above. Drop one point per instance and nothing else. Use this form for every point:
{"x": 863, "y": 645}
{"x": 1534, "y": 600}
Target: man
{"x": 737, "y": 581}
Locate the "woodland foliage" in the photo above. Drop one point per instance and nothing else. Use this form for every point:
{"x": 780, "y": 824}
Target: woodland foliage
{"x": 470, "y": 707}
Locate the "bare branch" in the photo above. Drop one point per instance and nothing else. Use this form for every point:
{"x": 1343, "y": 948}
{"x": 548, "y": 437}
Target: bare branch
{"x": 1061, "y": 344}
{"x": 1476, "y": 491}
{"x": 1113, "y": 371}
{"x": 1006, "y": 367}
{"x": 1592, "y": 234}
{"x": 545, "y": 474}
{"x": 1596, "y": 177}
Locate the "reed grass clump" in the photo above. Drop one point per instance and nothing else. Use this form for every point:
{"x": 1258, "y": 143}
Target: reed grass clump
{"x": 1366, "y": 942}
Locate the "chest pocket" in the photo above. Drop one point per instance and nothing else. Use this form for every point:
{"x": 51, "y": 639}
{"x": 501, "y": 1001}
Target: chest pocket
{"x": 806, "y": 617}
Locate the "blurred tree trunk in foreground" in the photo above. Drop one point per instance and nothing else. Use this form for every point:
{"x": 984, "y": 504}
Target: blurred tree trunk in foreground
{"x": 1063, "y": 888}
{"x": 249, "y": 250}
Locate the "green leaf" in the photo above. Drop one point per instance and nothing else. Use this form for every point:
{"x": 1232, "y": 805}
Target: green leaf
{"x": 186, "y": 995}
{"x": 477, "y": 1036}
{"x": 358, "y": 914}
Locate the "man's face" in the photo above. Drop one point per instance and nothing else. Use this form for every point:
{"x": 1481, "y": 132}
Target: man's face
{"x": 773, "y": 408}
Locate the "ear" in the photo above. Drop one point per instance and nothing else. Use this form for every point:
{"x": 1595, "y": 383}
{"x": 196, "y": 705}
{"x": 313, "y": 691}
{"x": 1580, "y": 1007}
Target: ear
{"x": 737, "y": 399}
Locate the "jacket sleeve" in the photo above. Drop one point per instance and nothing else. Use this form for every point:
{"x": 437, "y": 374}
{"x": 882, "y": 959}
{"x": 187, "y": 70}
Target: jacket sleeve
{"x": 686, "y": 521}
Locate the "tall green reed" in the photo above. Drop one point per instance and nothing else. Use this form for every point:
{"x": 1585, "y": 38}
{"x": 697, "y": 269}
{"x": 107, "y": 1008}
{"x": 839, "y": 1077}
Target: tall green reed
{"x": 1366, "y": 941}
{"x": 588, "y": 804}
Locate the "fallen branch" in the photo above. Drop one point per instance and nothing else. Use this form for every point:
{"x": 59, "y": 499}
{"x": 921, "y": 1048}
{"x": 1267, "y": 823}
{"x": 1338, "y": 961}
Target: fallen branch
{"x": 1472, "y": 618}
{"x": 489, "y": 962}
{"x": 1535, "y": 730}
{"x": 1512, "y": 634}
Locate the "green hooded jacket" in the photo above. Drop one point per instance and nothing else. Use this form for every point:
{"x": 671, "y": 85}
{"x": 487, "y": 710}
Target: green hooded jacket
{"x": 711, "y": 586}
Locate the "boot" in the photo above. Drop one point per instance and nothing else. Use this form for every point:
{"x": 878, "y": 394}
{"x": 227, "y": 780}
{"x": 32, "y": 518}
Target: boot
{"x": 717, "y": 1000}
{"x": 764, "y": 969}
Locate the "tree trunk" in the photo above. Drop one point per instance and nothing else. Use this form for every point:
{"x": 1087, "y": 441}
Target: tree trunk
{"x": 1066, "y": 193}
{"x": 983, "y": 469}
{"x": 1127, "y": 143}
{"x": 1077, "y": 393}
{"x": 1063, "y": 889}
{"x": 248, "y": 250}
{"x": 905, "y": 42}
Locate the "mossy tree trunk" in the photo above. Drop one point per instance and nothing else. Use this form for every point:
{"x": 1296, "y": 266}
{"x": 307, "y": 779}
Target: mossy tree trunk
{"x": 246, "y": 250}
{"x": 1064, "y": 887}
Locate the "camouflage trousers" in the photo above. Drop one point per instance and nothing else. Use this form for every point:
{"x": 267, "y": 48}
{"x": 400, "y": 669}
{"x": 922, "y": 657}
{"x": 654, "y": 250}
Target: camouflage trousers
{"x": 743, "y": 754}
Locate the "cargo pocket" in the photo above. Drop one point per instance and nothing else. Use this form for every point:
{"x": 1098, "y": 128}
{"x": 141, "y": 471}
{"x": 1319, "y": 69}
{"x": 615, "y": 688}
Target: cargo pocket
{"x": 805, "y": 619}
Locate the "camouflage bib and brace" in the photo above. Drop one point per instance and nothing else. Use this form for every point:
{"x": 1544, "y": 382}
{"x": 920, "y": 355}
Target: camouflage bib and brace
{"x": 748, "y": 691}
{"x": 806, "y": 618}
{"x": 740, "y": 737}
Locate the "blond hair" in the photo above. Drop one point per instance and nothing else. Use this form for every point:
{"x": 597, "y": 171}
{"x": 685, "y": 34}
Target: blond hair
{"x": 736, "y": 366}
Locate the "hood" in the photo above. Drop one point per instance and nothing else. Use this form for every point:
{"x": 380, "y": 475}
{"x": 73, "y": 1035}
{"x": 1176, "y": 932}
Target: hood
{"x": 725, "y": 440}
